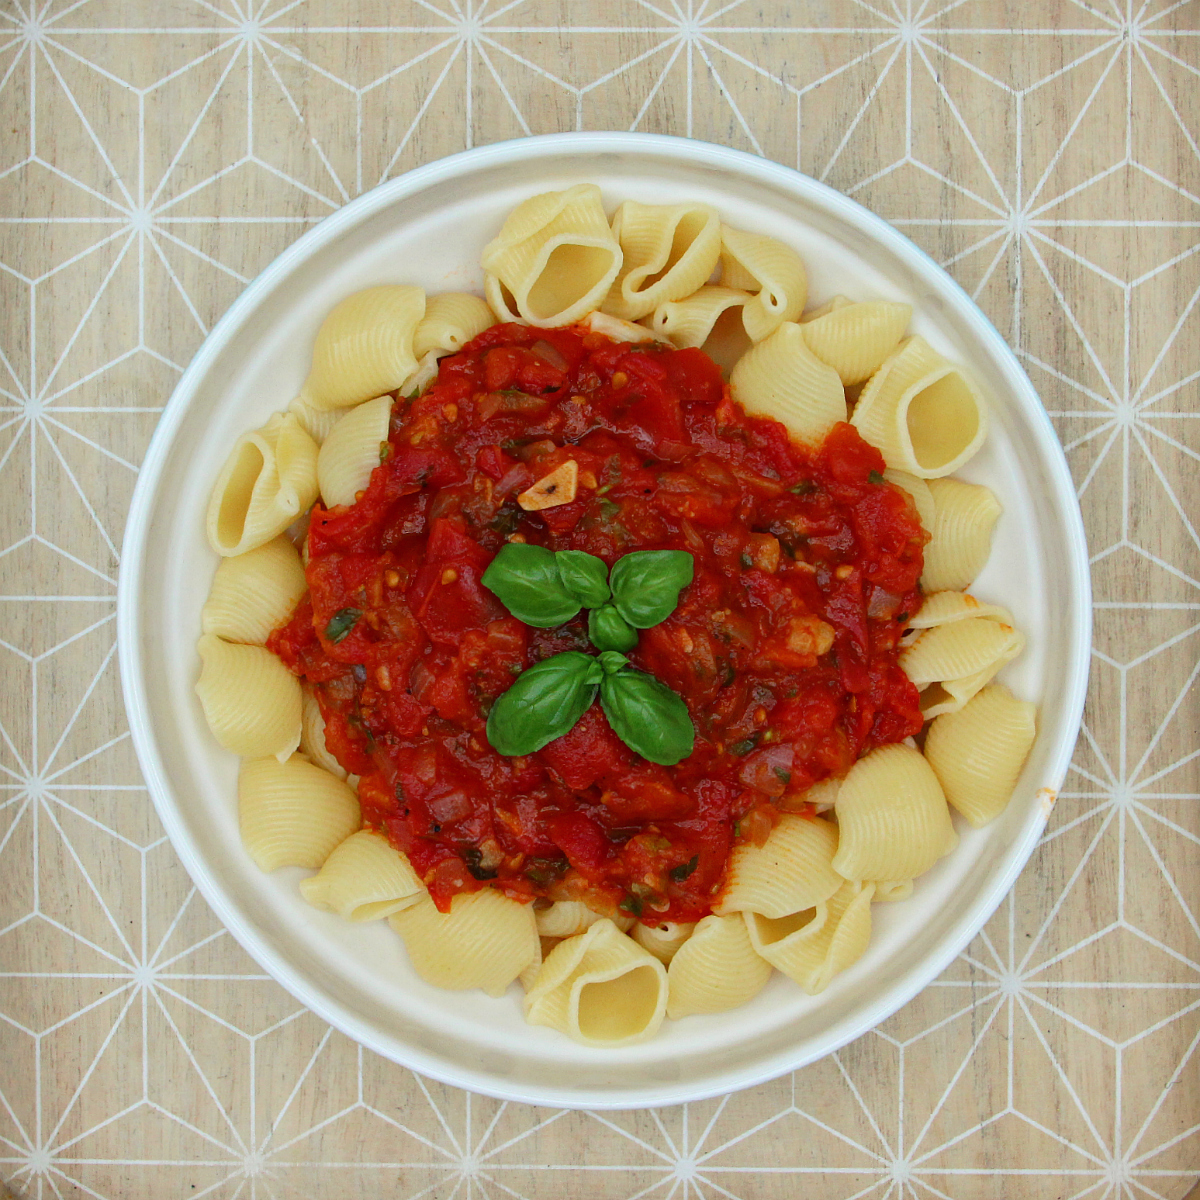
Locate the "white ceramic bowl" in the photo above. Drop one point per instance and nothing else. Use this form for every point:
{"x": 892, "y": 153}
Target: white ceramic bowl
{"x": 428, "y": 227}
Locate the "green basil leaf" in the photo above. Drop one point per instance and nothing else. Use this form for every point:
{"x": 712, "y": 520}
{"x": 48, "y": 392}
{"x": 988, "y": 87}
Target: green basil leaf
{"x": 681, "y": 872}
{"x": 543, "y": 703}
{"x": 584, "y": 576}
{"x": 876, "y": 477}
{"x": 647, "y": 716}
{"x": 646, "y": 584}
{"x": 341, "y": 623}
{"x": 611, "y": 662}
{"x": 609, "y": 630}
{"x": 526, "y": 580}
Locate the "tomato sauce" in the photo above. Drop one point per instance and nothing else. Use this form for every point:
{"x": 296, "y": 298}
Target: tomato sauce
{"x": 784, "y": 646}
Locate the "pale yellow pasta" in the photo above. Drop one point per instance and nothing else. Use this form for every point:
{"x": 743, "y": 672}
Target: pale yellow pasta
{"x": 925, "y": 416}
{"x": 364, "y": 878}
{"x": 500, "y": 301}
{"x": 812, "y": 947}
{"x": 555, "y": 255}
{"x": 958, "y": 658}
{"x": 254, "y": 592}
{"x": 822, "y": 310}
{"x": 977, "y": 753}
{"x": 352, "y": 451}
{"x": 312, "y": 736}
{"x": 790, "y": 871}
{"x": 669, "y": 250}
{"x": 268, "y": 480}
{"x": 422, "y": 377}
{"x": 318, "y": 422}
{"x": 600, "y": 988}
{"x": 485, "y": 941}
{"x": 964, "y": 515}
{"x": 618, "y": 328}
{"x": 782, "y": 378}
{"x": 529, "y": 972}
{"x": 823, "y": 794}
{"x": 893, "y": 821}
{"x": 716, "y": 969}
{"x": 663, "y": 941}
{"x": 564, "y": 918}
{"x": 451, "y": 320}
{"x": 364, "y": 348}
{"x": 292, "y": 813}
{"x": 771, "y": 271}
{"x": 944, "y": 608}
{"x": 710, "y": 318}
{"x": 251, "y": 701}
{"x": 854, "y": 339}
{"x": 918, "y": 490}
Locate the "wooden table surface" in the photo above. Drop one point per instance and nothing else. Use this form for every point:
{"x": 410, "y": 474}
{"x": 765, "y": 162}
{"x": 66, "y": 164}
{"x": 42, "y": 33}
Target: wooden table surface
{"x": 156, "y": 154}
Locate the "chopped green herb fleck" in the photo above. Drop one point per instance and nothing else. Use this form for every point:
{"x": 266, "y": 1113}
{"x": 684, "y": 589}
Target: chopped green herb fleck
{"x": 683, "y": 870}
{"x": 875, "y": 477}
{"x": 631, "y": 904}
{"x": 341, "y": 623}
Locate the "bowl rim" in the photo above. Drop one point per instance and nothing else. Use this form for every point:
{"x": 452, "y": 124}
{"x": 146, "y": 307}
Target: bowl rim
{"x": 132, "y": 566}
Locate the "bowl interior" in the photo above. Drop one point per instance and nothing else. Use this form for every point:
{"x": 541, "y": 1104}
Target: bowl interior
{"x": 429, "y": 228}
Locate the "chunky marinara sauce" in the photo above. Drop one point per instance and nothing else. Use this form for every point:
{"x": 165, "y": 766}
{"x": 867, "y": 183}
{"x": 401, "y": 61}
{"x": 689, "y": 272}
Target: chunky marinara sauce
{"x": 784, "y": 646}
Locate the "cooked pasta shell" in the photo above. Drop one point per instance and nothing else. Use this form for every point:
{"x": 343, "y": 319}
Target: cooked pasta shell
{"x": 977, "y": 753}
{"x": 716, "y": 969}
{"x": 251, "y": 701}
{"x": 960, "y": 649}
{"x": 663, "y": 941}
{"x": 823, "y": 310}
{"x": 556, "y": 255}
{"x": 782, "y": 378}
{"x": 485, "y": 941}
{"x": 618, "y": 328}
{"x": 944, "y": 608}
{"x": 889, "y": 890}
{"x": 773, "y": 272}
{"x": 964, "y": 515}
{"x": 668, "y": 251}
{"x": 422, "y": 377}
{"x": 854, "y": 339}
{"x": 925, "y": 416}
{"x": 600, "y": 988}
{"x": 292, "y": 813}
{"x": 893, "y": 822}
{"x": 710, "y": 318}
{"x": 918, "y": 489}
{"x": 812, "y": 947}
{"x": 792, "y": 870}
{"x": 352, "y": 451}
{"x": 500, "y": 300}
{"x": 312, "y": 736}
{"x": 451, "y": 320}
{"x": 268, "y": 480}
{"x": 364, "y": 879}
{"x": 254, "y": 592}
{"x": 364, "y": 348}
{"x": 529, "y": 973}
{"x": 317, "y": 422}
{"x": 564, "y": 918}
{"x": 949, "y": 695}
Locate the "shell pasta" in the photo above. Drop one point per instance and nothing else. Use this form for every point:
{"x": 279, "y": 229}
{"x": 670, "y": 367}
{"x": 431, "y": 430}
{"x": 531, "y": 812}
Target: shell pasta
{"x": 636, "y": 379}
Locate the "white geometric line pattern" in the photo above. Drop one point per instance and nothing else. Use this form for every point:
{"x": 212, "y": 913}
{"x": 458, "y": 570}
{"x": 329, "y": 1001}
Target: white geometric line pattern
{"x": 157, "y": 153}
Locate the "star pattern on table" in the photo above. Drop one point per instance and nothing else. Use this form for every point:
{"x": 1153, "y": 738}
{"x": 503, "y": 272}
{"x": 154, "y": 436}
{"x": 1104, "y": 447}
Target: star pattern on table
{"x": 161, "y": 154}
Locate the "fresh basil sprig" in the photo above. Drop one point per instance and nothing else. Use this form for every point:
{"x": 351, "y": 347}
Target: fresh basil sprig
{"x": 544, "y": 703}
{"x": 646, "y": 584}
